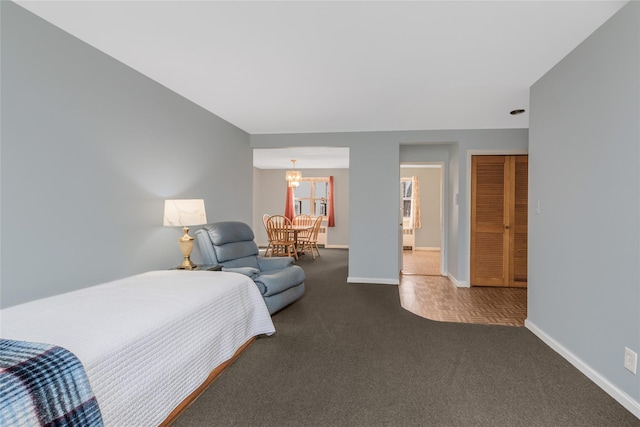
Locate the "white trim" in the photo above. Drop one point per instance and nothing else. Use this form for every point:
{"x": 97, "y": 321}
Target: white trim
{"x": 444, "y": 220}
{"x": 426, "y": 248}
{"x": 373, "y": 280}
{"x": 620, "y": 396}
{"x": 458, "y": 283}
{"x": 336, "y": 246}
{"x": 470, "y": 153}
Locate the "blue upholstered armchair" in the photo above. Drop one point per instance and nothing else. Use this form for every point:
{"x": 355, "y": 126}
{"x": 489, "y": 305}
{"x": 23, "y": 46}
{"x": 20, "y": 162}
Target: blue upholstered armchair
{"x": 231, "y": 244}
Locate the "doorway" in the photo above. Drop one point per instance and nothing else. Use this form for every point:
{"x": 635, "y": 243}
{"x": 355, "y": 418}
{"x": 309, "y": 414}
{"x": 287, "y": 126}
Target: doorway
{"x": 439, "y": 298}
{"x": 422, "y": 243}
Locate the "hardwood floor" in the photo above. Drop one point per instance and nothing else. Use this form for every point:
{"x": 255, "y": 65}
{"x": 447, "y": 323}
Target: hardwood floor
{"x": 425, "y": 263}
{"x": 435, "y": 297}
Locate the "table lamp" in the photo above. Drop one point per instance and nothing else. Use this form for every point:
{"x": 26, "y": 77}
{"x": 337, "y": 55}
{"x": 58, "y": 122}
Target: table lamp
{"x": 183, "y": 213}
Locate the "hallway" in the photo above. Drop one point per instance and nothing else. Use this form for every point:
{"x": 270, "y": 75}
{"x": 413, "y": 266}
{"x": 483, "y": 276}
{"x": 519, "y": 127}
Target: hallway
{"x": 427, "y": 294}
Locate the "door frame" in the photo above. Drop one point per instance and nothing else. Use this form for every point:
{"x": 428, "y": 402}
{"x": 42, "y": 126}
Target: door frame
{"x": 470, "y": 153}
{"x": 444, "y": 232}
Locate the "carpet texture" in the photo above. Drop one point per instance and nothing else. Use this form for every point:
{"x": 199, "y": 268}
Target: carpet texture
{"x": 349, "y": 355}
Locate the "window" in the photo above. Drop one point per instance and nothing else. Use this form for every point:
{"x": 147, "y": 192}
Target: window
{"x": 406, "y": 197}
{"x": 311, "y": 197}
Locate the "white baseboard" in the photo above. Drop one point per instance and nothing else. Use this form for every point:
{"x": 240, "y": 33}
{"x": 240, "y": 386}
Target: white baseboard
{"x": 620, "y": 396}
{"x": 373, "y": 280}
{"x": 458, "y": 283}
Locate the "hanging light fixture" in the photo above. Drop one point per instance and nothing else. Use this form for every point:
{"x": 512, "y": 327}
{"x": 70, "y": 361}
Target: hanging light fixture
{"x": 293, "y": 176}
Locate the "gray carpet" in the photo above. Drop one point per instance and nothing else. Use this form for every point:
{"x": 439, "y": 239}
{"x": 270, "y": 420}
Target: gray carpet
{"x": 349, "y": 355}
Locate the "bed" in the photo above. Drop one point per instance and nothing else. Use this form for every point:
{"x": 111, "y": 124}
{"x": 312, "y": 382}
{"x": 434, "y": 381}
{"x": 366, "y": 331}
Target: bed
{"x": 148, "y": 343}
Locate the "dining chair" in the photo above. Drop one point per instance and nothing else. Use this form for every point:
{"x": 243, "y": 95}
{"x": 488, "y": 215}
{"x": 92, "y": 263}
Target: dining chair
{"x": 281, "y": 235}
{"x": 302, "y": 219}
{"x": 265, "y": 218}
{"x": 303, "y": 236}
{"x": 313, "y": 241}
{"x": 310, "y": 241}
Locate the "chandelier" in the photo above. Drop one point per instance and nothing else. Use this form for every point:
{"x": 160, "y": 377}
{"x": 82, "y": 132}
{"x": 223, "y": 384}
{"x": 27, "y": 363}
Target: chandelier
{"x": 293, "y": 176}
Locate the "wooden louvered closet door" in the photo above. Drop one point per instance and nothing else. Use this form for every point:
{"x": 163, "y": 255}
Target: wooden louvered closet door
{"x": 499, "y": 220}
{"x": 520, "y": 167}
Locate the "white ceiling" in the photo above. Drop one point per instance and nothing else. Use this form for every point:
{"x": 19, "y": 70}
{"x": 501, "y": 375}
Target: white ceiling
{"x": 338, "y": 66}
{"x": 305, "y": 157}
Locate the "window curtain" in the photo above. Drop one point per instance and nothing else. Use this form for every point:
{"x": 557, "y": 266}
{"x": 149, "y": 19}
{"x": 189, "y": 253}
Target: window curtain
{"x": 289, "y": 208}
{"x": 331, "y": 216}
{"x": 415, "y": 203}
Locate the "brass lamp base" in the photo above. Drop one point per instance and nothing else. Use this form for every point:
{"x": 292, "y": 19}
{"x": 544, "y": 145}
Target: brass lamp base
{"x": 186, "y": 246}
{"x": 186, "y": 265}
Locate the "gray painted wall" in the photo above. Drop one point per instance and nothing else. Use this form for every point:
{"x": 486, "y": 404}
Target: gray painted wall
{"x": 374, "y": 173}
{"x": 270, "y": 190}
{"x": 90, "y": 150}
{"x": 417, "y": 153}
{"x": 584, "y": 278}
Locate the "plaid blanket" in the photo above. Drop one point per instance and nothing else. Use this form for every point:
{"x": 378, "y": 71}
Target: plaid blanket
{"x": 44, "y": 385}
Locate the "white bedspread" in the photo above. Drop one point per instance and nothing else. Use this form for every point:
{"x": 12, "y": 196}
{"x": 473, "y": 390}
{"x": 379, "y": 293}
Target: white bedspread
{"x": 146, "y": 341}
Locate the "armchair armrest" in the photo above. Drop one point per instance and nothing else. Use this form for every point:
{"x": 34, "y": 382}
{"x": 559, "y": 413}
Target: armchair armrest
{"x": 267, "y": 264}
{"x": 247, "y": 271}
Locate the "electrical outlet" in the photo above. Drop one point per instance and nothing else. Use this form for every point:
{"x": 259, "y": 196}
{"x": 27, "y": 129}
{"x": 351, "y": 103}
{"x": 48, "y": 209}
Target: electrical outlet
{"x": 630, "y": 360}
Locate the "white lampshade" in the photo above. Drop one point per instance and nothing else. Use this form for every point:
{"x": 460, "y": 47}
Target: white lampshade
{"x": 184, "y": 212}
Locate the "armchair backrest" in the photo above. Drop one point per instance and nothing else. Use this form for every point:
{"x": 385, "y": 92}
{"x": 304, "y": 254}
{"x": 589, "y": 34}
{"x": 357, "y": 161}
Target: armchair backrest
{"x": 228, "y": 243}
